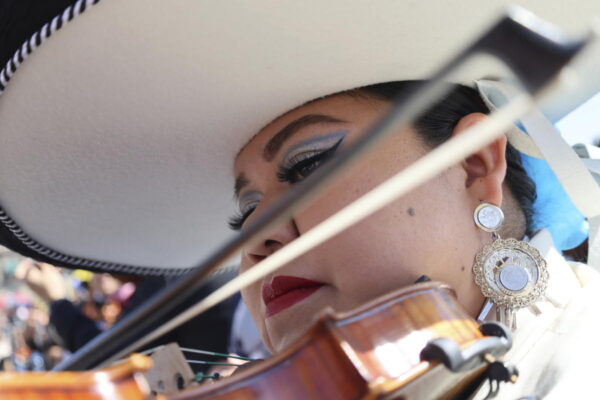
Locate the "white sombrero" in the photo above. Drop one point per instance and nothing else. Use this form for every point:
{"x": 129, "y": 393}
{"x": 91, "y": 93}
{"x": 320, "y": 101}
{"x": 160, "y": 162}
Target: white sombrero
{"x": 118, "y": 132}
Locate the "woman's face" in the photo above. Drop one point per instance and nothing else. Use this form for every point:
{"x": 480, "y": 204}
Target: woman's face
{"x": 430, "y": 231}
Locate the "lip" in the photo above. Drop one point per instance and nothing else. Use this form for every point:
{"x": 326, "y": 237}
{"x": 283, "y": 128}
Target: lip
{"x": 285, "y": 291}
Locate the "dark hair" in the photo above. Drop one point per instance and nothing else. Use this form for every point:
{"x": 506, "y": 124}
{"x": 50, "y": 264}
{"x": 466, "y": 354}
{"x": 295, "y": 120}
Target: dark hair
{"x": 436, "y": 125}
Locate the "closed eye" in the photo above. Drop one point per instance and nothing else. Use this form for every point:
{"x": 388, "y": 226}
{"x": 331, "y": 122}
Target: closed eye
{"x": 237, "y": 221}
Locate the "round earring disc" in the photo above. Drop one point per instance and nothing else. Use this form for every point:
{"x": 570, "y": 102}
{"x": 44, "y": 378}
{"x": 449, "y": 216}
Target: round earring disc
{"x": 513, "y": 277}
{"x": 511, "y": 273}
{"x": 488, "y": 217}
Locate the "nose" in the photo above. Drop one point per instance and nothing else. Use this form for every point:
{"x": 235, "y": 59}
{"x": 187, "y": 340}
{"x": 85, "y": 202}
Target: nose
{"x": 273, "y": 241}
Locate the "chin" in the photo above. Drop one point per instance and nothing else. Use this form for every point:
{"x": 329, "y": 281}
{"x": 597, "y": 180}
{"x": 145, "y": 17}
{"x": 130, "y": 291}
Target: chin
{"x": 285, "y": 327}
{"x": 277, "y": 341}
{"x": 283, "y": 330}
{"x": 284, "y": 342}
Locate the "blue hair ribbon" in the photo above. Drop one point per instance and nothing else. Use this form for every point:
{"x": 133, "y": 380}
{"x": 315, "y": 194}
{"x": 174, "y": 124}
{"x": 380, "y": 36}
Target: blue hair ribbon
{"x": 553, "y": 209}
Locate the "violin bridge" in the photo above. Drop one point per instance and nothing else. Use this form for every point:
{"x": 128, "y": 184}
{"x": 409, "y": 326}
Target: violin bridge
{"x": 170, "y": 373}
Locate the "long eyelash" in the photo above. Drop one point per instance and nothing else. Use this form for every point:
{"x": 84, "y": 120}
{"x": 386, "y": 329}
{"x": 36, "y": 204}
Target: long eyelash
{"x": 236, "y": 221}
{"x": 287, "y": 173}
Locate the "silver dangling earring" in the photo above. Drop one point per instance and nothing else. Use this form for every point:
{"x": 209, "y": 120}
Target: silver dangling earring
{"x": 510, "y": 273}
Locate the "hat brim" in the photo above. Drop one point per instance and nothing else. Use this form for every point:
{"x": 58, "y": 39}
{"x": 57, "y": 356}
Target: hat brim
{"x": 119, "y": 132}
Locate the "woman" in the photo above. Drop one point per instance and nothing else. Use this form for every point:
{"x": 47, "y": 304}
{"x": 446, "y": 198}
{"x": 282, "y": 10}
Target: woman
{"x": 430, "y": 231}
{"x": 413, "y": 237}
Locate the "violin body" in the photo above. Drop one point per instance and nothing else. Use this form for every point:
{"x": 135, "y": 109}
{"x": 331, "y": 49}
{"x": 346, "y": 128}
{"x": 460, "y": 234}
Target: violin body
{"x": 382, "y": 350}
{"x": 373, "y": 352}
{"x": 123, "y": 381}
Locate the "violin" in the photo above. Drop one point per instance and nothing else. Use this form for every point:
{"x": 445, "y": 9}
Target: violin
{"x": 414, "y": 343}
{"x": 124, "y": 381}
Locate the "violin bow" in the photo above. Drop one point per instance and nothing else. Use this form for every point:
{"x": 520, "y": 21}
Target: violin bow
{"x": 532, "y": 50}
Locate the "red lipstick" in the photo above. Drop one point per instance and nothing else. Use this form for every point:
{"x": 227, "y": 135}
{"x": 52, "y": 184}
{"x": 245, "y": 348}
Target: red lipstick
{"x": 285, "y": 291}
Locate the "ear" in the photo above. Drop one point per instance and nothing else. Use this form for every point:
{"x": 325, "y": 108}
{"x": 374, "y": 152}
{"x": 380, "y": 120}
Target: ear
{"x": 486, "y": 168}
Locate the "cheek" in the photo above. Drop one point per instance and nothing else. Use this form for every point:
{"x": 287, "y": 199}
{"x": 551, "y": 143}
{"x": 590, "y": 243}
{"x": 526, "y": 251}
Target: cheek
{"x": 251, "y": 294}
{"x": 381, "y": 164}
{"x": 252, "y": 298}
{"x": 394, "y": 247}
{"x": 375, "y": 256}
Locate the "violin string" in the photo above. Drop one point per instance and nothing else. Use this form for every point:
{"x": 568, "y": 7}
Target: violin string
{"x": 203, "y": 352}
{"x": 146, "y": 352}
{"x": 216, "y": 354}
{"x": 427, "y": 167}
{"x": 151, "y": 350}
{"x": 225, "y": 364}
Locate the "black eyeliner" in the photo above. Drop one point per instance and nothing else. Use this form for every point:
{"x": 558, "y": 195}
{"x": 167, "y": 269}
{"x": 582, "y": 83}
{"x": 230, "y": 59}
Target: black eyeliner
{"x": 292, "y": 173}
{"x": 237, "y": 220}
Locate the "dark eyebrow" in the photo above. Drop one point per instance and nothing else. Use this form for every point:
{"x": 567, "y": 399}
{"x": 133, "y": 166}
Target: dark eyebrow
{"x": 240, "y": 183}
{"x": 280, "y": 137}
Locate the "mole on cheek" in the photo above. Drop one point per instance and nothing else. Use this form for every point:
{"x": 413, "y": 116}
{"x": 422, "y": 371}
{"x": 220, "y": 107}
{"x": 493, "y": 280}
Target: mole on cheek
{"x": 411, "y": 211}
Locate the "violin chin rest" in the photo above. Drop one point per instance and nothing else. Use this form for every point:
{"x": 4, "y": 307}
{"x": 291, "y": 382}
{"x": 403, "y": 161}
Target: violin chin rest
{"x": 446, "y": 351}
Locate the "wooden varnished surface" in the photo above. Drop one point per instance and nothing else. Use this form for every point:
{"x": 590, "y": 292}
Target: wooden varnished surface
{"x": 370, "y": 353}
{"x": 122, "y": 381}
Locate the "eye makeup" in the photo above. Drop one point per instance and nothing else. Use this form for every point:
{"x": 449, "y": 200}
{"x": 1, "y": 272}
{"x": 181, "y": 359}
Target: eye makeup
{"x": 246, "y": 205}
{"x": 296, "y": 164}
{"x": 303, "y": 158}
{"x": 314, "y": 144}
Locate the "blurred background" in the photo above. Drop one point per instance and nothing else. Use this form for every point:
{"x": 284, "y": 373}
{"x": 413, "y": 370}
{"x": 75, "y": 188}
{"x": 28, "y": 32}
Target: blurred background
{"x": 28, "y": 291}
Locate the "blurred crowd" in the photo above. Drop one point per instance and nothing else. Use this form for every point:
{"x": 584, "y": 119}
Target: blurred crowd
{"x": 48, "y": 313}
{"x": 28, "y": 291}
